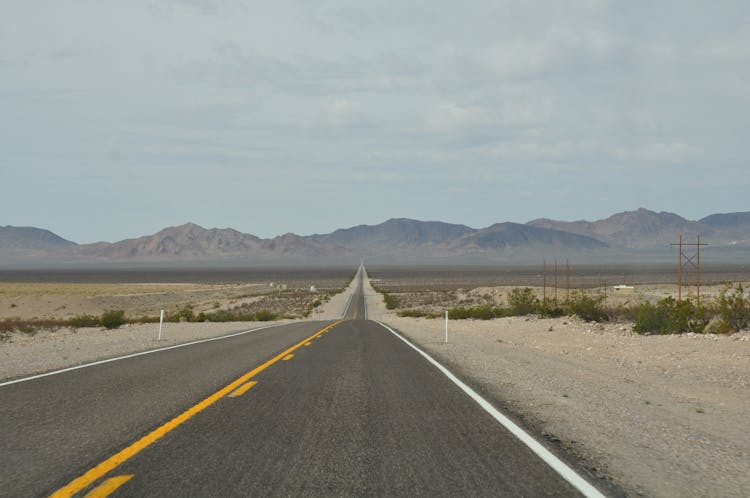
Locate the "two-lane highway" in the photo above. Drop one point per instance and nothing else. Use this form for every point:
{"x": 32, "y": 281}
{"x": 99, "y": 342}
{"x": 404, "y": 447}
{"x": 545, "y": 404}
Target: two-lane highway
{"x": 313, "y": 409}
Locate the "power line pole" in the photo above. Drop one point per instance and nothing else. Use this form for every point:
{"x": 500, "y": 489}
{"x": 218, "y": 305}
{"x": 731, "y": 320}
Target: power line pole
{"x": 555, "y": 280}
{"x": 689, "y": 260}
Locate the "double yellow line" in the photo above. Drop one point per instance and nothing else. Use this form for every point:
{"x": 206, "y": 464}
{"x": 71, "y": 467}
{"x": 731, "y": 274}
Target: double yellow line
{"x": 122, "y": 456}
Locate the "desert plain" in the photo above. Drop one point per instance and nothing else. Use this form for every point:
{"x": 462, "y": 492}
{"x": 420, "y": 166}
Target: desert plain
{"x": 652, "y": 415}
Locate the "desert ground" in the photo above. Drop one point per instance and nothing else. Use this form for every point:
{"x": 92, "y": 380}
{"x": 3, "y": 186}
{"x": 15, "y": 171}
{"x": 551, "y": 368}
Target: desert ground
{"x": 41, "y": 295}
{"x": 656, "y": 415}
{"x": 44, "y": 350}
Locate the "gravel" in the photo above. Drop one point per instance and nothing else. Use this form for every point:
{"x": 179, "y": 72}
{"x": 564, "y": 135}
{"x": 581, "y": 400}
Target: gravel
{"x": 658, "y": 415}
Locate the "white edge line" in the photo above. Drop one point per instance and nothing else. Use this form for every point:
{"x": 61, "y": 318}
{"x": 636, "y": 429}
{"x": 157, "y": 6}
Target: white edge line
{"x": 557, "y": 465}
{"x": 132, "y": 355}
{"x": 348, "y": 304}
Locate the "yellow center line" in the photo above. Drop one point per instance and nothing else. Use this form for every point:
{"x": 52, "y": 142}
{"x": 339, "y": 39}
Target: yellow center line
{"x": 242, "y": 389}
{"x": 126, "y": 454}
{"x": 109, "y": 486}
{"x": 288, "y": 357}
{"x": 308, "y": 343}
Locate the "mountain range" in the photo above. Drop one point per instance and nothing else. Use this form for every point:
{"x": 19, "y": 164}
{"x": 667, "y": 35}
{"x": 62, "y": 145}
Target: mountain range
{"x": 628, "y": 235}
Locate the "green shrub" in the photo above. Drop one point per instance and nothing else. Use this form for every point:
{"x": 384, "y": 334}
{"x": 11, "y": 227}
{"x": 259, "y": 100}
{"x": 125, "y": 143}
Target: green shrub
{"x": 184, "y": 315}
{"x": 734, "y": 308}
{"x": 417, "y": 314}
{"x": 28, "y": 328}
{"x": 688, "y": 317}
{"x": 651, "y": 319}
{"x": 717, "y": 326}
{"x": 79, "y": 321}
{"x": 587, "y": 307}
{"x": 548, "y": 308}
{"x": 391, "y": 301}
{"x": 484, "y": 312}
{"x": 265, "y": 316}
{"x": 669, "y": 316}
{"x": 112, "y": 319}
{"x": 522, "y": 301}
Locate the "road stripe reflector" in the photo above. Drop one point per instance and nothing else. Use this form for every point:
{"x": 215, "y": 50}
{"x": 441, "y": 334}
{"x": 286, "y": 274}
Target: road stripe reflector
{"x": 126, "y": 454}
{"x": 242, "y": 389}
{"x": 109, "y": 486}
{"x": 557, "y": 465}
{"x": 308, "y": 343}
{"x": 288, "y": 357}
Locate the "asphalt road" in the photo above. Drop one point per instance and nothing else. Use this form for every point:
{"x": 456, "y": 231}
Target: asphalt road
{"x": 349, "y": 410}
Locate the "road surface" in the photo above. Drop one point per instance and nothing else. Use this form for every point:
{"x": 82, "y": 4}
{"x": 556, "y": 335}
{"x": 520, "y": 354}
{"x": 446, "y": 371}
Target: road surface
{"x": 311, "y": 409}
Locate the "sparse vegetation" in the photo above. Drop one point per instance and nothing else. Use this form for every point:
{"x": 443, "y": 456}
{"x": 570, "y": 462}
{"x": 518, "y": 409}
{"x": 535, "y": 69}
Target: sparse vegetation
{"x": 391, "y": 301}
{"x": 112, "y": 319}
{"x": 80, "y": 321}
{"x": 418, "y": 314}
{"x": 587, "y": 307}
{"x": 483, "y": 312}
{"x": 669, "y": 316}
{"x": 733, "y": 309}
{"x": 523, "y": 301}
{"x": 729, "y": 312}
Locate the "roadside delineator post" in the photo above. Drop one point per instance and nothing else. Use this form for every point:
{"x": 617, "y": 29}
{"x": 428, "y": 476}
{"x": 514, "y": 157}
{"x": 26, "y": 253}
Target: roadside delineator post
{"x": 446, "y": 326}
{"x": 161, "y": 322}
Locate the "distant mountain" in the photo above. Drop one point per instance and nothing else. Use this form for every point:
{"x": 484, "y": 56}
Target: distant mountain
{"x": 640, "y": 229}
{"x": 184, "y": 241}
{"x": 728, "y": 220}
{"x": 292, "y": 245}
{"x": 191, "y": 241}
{"x": 516, "y": 236}
{"x": 30, "y": 239}
{"x": 734, "y": 228}
{"x": 432, "y": 241}
{"x": 395, "y": 234}
{"x": 628, "y": 235}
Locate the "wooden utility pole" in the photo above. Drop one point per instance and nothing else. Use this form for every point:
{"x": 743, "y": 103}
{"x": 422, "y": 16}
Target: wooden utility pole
{"x": 544, "y": 281}
{"x": 693, "y": 260}
{"x": 679, "y": 272}
{"x": 567, "y": 280}
{"x": 555, "y": 280}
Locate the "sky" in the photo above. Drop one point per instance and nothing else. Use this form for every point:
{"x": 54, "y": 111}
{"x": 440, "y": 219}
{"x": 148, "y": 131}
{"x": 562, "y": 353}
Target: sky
{"x": 119, "y": 118}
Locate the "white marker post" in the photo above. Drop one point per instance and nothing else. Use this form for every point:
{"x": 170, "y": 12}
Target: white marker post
{"x": 161, "y": 321}
{"x": 446, "y": 326}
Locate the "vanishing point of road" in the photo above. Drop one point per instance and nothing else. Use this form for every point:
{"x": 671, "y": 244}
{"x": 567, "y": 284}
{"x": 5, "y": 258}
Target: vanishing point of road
{"x": 343, "y": 408}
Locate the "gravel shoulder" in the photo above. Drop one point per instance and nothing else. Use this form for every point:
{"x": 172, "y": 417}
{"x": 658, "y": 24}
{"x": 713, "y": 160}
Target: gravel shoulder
{"x": 46, "y": 350}
{"x": 658, "y": 415}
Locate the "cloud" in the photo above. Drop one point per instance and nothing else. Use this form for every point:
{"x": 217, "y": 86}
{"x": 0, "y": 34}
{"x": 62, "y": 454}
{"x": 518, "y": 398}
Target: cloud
{"x": 355, "y": 97}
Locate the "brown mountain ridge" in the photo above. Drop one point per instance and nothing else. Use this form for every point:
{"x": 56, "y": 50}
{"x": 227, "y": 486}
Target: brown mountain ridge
{"x": 394, "y": 241}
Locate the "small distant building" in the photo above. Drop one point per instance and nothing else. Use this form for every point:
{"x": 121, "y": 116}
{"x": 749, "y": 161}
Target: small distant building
{"x": 313, "y": 288}
{"x": 624, "y": 289}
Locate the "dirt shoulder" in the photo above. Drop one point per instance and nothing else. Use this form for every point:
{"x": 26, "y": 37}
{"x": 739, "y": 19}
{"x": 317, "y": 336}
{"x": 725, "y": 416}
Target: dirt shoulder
{"x": 659, "y": 415}
{"x": 24, "y": 354}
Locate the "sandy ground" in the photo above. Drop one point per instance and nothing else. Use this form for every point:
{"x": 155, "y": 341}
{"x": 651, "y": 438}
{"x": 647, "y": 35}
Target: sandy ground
{"x": 659, "y": 415}
{"x": 65, "y": 300}
{"x": 27, "y": 354}
{"x": 335, "y": 307}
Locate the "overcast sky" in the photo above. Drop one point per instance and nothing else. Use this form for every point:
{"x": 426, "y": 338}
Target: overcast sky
{"x": 118, "y": 118}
